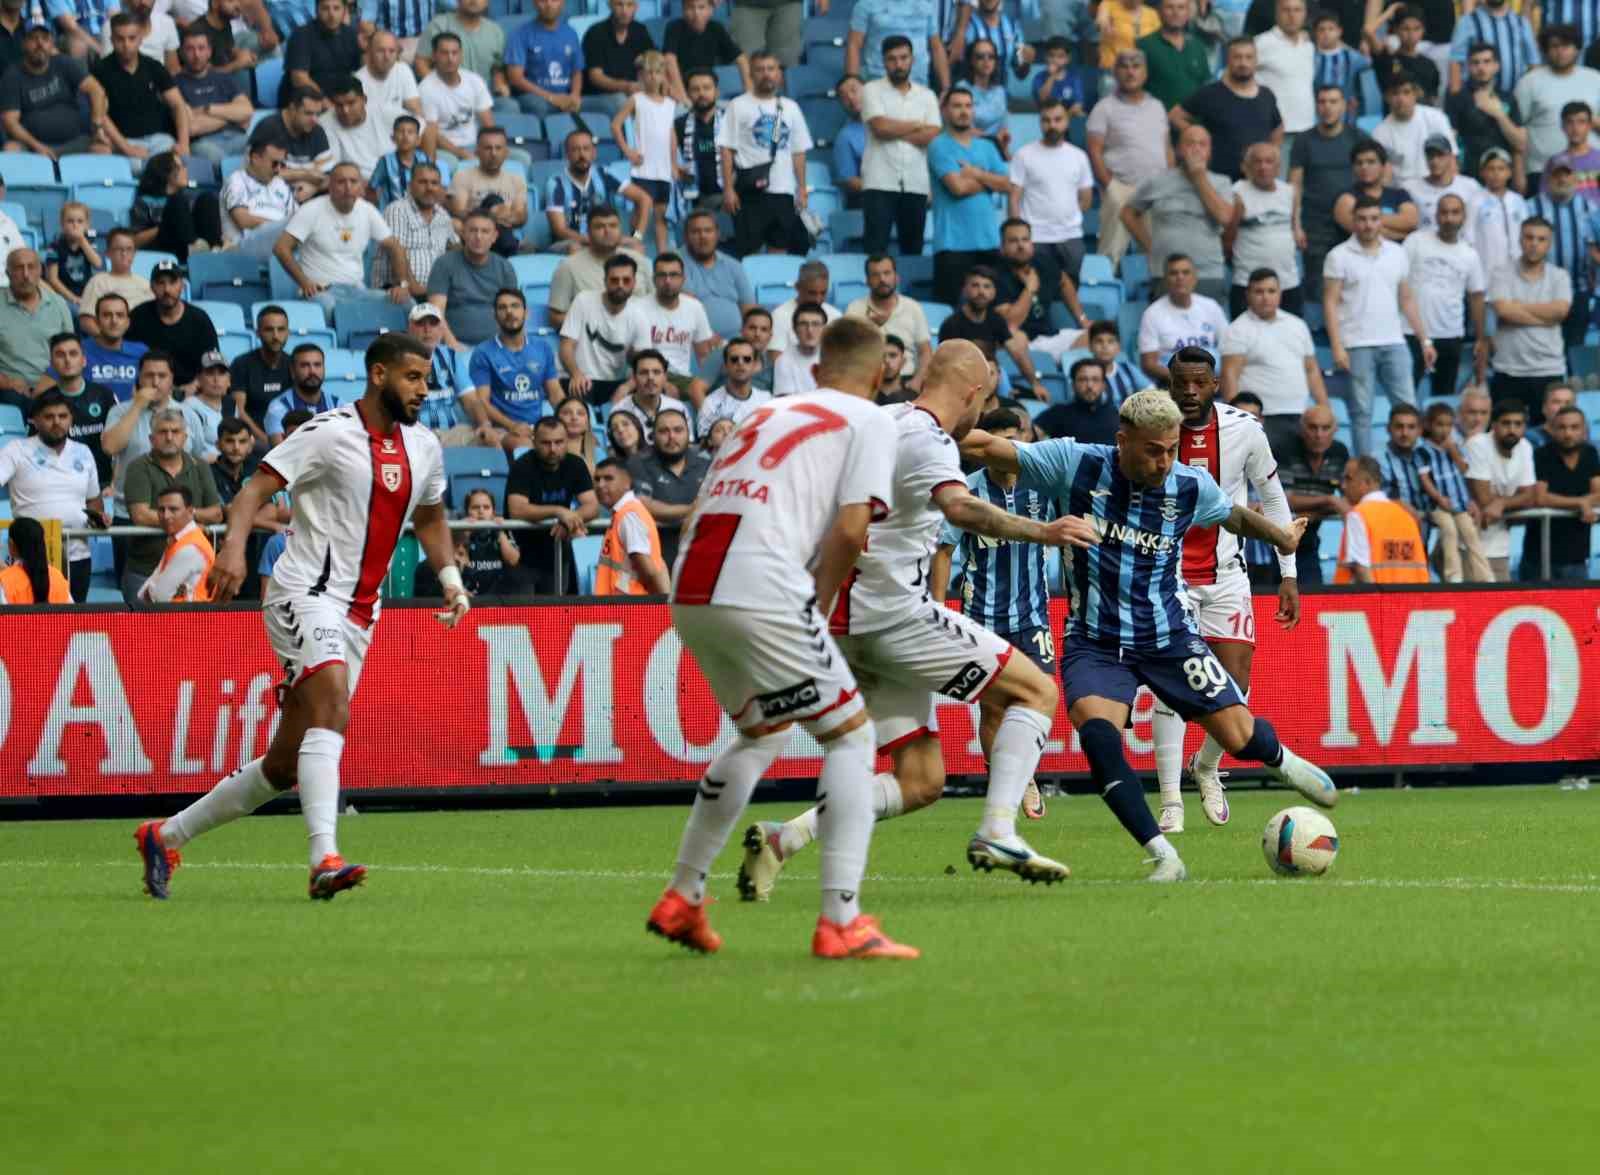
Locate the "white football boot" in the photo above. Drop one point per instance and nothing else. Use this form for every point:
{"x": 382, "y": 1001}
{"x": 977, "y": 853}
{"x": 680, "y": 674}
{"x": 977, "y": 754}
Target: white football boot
{"x": 1170, "y": 822}
{"x": 1168, "y": 869}
{"x": 1015, "y": 855}
{"x": 1306, "y": 778}
{"x": 1213, "y": 796}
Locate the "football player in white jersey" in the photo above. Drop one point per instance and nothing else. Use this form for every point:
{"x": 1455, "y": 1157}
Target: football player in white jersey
{"x": 1232, "y": 447}
{"x": 357, "y": 474}
{"x": 909, "y": 650}
{"x": 779, "y": 521}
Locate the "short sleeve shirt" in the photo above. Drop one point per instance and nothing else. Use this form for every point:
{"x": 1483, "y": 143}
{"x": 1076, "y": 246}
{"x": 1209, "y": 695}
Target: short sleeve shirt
{"x": 618, "y": 61}
{"x": 469, "y": 291}
{"x": 549, "y": 58}
{"x": 703, "y": 50}
{"x": 134, "y": 99}
{"x": 1529, "y": 350}
{"x": 877, "y": 19}
{"x": 1179, "y": 222}
{"x": 963, "y": 223}
{"x": 1369, "y": 299}
{"x": 48, "y": 102}
{"x": 515, "y": 379}
{"x": 672, "y": 332}
{"x": 332, "y": 243}
{"x": 561, "y": 486}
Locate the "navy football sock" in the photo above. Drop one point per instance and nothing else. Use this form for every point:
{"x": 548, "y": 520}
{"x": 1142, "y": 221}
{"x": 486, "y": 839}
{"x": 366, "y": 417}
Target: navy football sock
{"x": 1118, "y": 782}
{"x": 1263, "y": 746}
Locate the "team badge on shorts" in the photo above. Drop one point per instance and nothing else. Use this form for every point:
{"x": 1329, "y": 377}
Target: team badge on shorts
{"x": 1199, "y": 647}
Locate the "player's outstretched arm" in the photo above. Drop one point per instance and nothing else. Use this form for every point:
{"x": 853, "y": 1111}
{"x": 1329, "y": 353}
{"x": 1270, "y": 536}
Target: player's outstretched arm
{"x": 1248, "y": 524}
{"x": 965, "y": 510}
{"x": 838, "y": 551}
{"x": 997, "y": 453}
{"x": 433, "y": 536}
{"x": 228, "y": 571}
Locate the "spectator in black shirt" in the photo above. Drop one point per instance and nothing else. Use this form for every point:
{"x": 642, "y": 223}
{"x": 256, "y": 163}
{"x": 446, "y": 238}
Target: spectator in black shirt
{"x": 1236, "y": 109}
{"x": 697, "y": 42}
{"x": 13, "y": 26}
{"x": 1030, "y": 287}
{"x": 611, "y": 51}
{"x": 147, "y": 113}
{"x": 1311, "y": 471}
{"x": 89, "y": 403}
{"x": 698, "y": 162}
{"x": 260, "y": 376}
{"x": 550, "y": 484}
{"x": 1485, "y": 119}
{"x": 320, "y": 52}
{"x": 1400, "y": 216}
{"x": 976, "y": 319}
{"x": 1321, "y": 172}
{"x": 1568, "y": 469}
{"x": 1408, "y": 61}
{"x": 169, "y": 323}
{"x": 1089, "y": 417}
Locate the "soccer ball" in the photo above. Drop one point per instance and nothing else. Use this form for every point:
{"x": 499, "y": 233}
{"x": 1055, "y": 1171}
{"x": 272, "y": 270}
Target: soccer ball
{"x": 1300, "y": 840}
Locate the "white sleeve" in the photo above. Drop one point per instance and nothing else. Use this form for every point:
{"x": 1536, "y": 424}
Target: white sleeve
{"x": 434, "y": 481}
{"x": 1475, "y": 279}
{"x": 299, "y": 456}
{"x": 181, "y": 574}
{"x": 482, "y": 101}
{"x": 1236, "y": 339}
{"x": 1524, "y": 473}
{"x": 9, "y": 455}
{"x": 1357, "y": 549}
{"x": 378, "y": 227}
{"x": 702, "y": 325}
{"x": 635, "y": 539}
{"x": 933, "y": 461}
{"x": 1261, "y": 467}
{"x": 1149, "y": 333}
{"x": 868, "y": 474}
{"x": 1478, "y": 462}
{"x": 304, "y": 220}
{"x": 799, "y": 133}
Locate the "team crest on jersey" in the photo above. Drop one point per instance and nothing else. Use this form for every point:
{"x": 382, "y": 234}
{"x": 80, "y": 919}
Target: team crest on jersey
{"x": 391, "y": 477}
{"x": 1170, "y": 510}
{"x": 388, "y": 444}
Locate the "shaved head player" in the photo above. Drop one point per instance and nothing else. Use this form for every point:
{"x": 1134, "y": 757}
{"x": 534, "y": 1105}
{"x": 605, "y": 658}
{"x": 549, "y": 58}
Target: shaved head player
{"x": 357, "y": 474}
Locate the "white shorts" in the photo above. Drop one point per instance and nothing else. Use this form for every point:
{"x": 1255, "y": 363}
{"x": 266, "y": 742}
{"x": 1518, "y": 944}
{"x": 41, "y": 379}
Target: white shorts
{"x": 1224, "y": 609}
{"x": 770, "y": 667}
{"x": 933, "y": 651}
{"x": 308, "y": 633}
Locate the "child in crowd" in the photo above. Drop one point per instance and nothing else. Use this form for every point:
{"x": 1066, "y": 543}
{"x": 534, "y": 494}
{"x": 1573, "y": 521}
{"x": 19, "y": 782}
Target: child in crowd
{"x": 1122, "y": 377}
{"x": 653, "y": 112}
{"x": 71, "y": 260}
{"x": 1057, "y": 81}
{"x": 1408, "y": 59}
{"x": 392, "y": 176}
{"x": 1577, "y": 123}
{"x": 1444, "y": 480}
{"x": 1337, "y": 64}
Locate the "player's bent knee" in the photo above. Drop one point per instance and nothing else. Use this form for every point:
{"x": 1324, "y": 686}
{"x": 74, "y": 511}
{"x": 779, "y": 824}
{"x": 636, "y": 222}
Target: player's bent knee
{"x": 848, "y": 727}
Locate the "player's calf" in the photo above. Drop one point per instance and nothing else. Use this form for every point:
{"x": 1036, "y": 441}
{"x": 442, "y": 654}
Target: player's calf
{"x": 1121, "y": 789}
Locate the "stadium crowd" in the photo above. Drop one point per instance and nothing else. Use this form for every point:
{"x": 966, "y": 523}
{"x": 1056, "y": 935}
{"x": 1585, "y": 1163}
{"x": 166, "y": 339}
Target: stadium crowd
{"x": 620, "y": 231}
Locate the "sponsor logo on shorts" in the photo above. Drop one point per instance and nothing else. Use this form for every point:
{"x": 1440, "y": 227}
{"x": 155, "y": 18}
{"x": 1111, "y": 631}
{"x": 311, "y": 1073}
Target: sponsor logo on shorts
{"x": 966, "y": 681}
{"x": 790, "y": 699}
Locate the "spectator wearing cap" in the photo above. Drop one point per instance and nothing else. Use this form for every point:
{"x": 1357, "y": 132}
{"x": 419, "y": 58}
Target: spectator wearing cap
{"x": 1575, "y": 245}
{"x": 1577, "y": 123}
{"x": 1500, "y": 211}
{"x": 51, "y": 476}
{"x": 167, "y": 464}
{"x": 1493, "y": 22}
{"x": 324, "y": 243}
{"x": 31, "y": 314}
{"x": 179, "y": 327}
{"x": 219, "y": 108}
{"x": 147, "y": 113}
{"x": 1443, "y": 179}
{"x": 1531, "y": 296}
{"x": 207, "y": 405}
{"x": 307, "y": 366}
{"x": 180, "y": 576}
{"x": 422, "y": 226}
{"x": 354, "y": 130}
{"x": 1407, "y": 128}
{"x": 257, "y": 201}
{"x": 1484, "y": 117}
{"x": 443, "y": 410}
{"x": 1542, "y": 94}
{"x": 320, "y": 51}
{"x": 49, "y": 84}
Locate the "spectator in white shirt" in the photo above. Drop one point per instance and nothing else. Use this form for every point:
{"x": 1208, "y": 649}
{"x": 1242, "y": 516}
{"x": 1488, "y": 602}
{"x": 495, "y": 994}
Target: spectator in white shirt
{"x": 1263, "y": 228}
{"x": 738, "y": 396}
{"x": 1128, "y": 142}
{"x": 354, "y": 133}
{"x": 676, "y": 327}
{"x": 764, "y": 164}
{"x": 901, "y": 118}
{"x": 894, "y": 314}
{"x": 1407, "y": 129}
{"x": 51, "y": 476}
{"x": 390, "y": 84}
{"x": 811, "y": 285}
{"x": 599, "y": 327}
{"x": 1446, "y": 273}
{"x": 1179, "y": 318}
{"x": 1052, "y": 186}
{"x": 1286, "y": 64}
{"x": 1268, "y": 351}
{"x": 1501, "y": 477}
{"x": 455, "y": 101}
{"x": 322, "y": 246}
{"x": 1366, "y": 292}
{"x": 256, "y": 202}
{"x": 1499, "y": 214}
{"x": 793, "y": 374}
{"x": 1444, "y": 178}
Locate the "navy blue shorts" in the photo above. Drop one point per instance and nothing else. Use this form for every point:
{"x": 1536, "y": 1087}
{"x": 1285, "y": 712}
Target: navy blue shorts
{"x": 1186, "y": 676}
{"x": 658, "y": 190}
{"x": 1037, "y": 643}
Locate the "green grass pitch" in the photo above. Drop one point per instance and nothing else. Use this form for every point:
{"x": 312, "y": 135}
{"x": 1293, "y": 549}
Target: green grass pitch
{"x": 489, "y": 1001}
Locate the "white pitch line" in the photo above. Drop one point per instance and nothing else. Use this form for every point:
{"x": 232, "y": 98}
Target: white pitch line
{"x": 1577, "y": 885}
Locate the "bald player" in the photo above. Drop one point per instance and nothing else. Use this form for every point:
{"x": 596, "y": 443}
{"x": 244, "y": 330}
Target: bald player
{"x": 908, "y": 651}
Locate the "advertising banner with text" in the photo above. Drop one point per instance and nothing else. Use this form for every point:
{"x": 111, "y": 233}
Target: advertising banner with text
{"x": 556, "y": 695}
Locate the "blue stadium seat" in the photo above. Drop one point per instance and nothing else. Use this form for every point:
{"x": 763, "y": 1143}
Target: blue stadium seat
{"x": 846, "y": 292}
{"x": 344, "y": 391}
{"x": 230, "y": 164}
{"x": 1036, "y": 408}
{"x": 342, "y": 363}
{"x": 773, "y": 276}
{"x": 95, "y": 169}
{"x": 844, "y": 266}
{"x": 828, "y": 58}
{"x": 235, "y": 345}
{"x": 366, "y": 319}
{"x": 267, "y": 78}
{"x": 845, "y": 229}
{"x": 11, "y": 422}
{"x": 25, "y": 169}
{"x": 916, "y": 275}
{"x": 1097, "y": 271}
{"x": 824, "y": 119}
{"x": 1100, "y": 301}
{"x": 463, "y": 484}
{"x": 115, "y": 199}
{"x": 1056, "y": 384}
{"x": 477, "y": 460}
{"x": 1024, "y": 130}
{"x": 807, "y": 81}
{"x": 586, "y": 557}
{"x": 534, "y": 271}
{"x": 32, "y": 183}
{"x": 936, "y": 313}
{"x": 225, "y": 316}
{"x": 1369, "y": 93}
{"x": 146, "y": 260}
{"x": 202, "y": 172}
{"x": 228, "y": 277}
{"x": 1136, "y": 276}
{"x": 521, "y": 129}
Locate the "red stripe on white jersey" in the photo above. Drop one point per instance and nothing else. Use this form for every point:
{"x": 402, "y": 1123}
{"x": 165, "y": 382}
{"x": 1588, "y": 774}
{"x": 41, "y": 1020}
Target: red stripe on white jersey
{"x": 1202, "y": 448}
{"x": 386, "y": 515}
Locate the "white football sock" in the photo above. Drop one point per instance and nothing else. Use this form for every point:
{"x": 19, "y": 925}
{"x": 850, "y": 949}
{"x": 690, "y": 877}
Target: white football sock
{"x": 318, "y": 764}
{"x": 233, "y": 796}
{"x": 844, "y": 820}
{"x": 1017, "y": 746}
{"x": 887, "y": 801}
{"x": 725, "y": 790}
{"x": 1210, "y": 754}
{"x": 1166, "y": 728}
{"x": 1160, "y": 848}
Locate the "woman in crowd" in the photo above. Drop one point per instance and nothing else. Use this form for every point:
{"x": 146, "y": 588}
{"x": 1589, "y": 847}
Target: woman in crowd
{"x": 720, "y": 431}
{"x": 981, "y": 73}
{"x": 31, "y": 578}
{"x": 624, "y": 438}
{"x": 169, "y": 217}
{"x": 581, "y": 441}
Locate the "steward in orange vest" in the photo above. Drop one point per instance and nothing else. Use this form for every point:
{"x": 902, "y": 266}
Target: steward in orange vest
{"x": 180, "y": 577}
{"x": 630, "y": 554}
{"x": 1382, "y": 542}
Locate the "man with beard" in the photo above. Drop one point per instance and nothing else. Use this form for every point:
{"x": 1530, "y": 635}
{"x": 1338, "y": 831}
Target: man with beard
{"x": 895, "y": 314}
{"x": 764, "y": 164}
{"x": 1494, "y": 23}
{"x": 901, "y": 118}
{"x": 1090, "y": 416}
{"x": 596, "y": 332}
{"x": 1319, "y": 172}
{"x": 39, "y": 100}
{"x": 667, "y": 478}
{"x": 424, "y": 230}
{"x": 51, "y": 476}
{"x": 219, "y": 106}
{"x": 696, "y": 132}
{"x": 738, "y": 396}
{"x": 1484, "y": 118}
{"x": 977, "y": 319}
{"x": 323, "y": 244}
{"x": 1446, "y": 274}
{"x": 966, "y": 169}
{"x": 444, "y": 411}
{"x": 167, "y": 321}
{"x": 513, "y": 374}
{"x": 90, "y": 403}
{"x": 170, "y": 462}
{"x": 356, "y": 479}
{"x": 586, "y": 268}
{"x": 574, "y": 197}
{"x": 1236, "y": 109}
{"x": 307, "y": 365}
{"x": 1052, "y": 186}
{"x": 1030, "y": 286}
{"x": 1568, "y": 470}
{"x": 545, "y": 485}
{"x": 716, "y": 279}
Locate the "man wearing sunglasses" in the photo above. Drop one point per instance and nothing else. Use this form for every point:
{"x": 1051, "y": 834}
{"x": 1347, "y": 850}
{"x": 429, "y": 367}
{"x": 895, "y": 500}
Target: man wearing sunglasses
{"x": 738, "y": 396}
{"x": 256, "y": 201}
